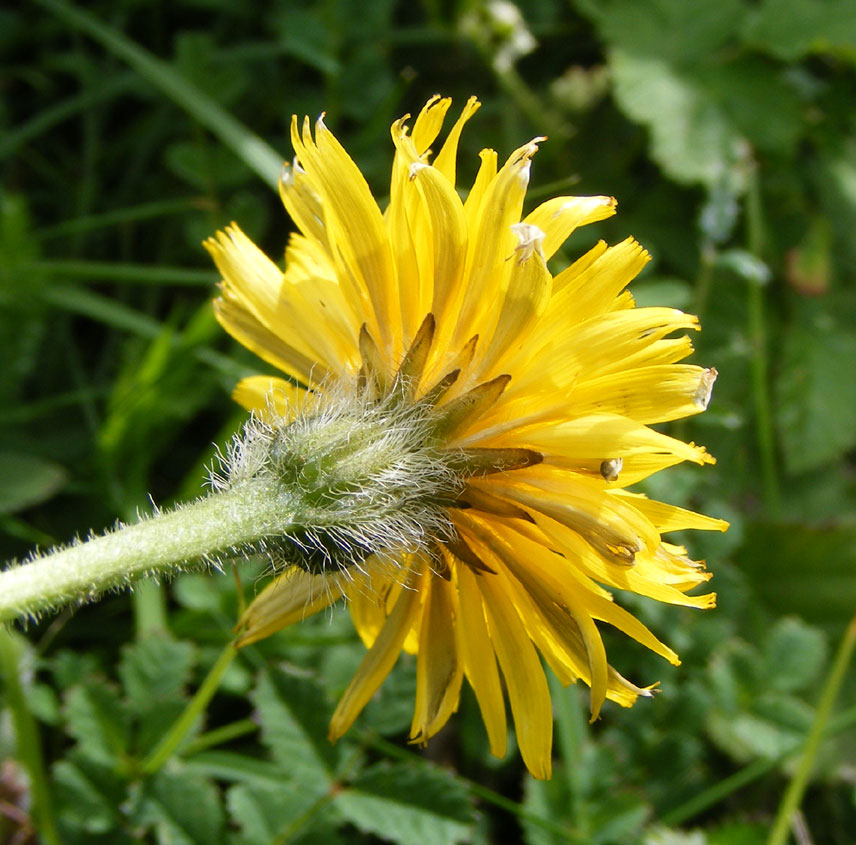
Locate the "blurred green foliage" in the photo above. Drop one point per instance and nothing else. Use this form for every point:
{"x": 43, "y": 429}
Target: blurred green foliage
{"x": 726, "y": 128}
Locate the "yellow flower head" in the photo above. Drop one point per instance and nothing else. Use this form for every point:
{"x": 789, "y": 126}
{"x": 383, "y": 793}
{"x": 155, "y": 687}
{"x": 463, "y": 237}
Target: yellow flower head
{"x": 500, "y": 412}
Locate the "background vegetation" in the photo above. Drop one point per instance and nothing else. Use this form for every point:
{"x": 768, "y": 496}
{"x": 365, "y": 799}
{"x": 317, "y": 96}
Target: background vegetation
{"x": 727, "y": 130}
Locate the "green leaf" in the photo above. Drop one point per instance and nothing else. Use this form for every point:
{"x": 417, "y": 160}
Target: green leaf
{"x": 692, "y": 138}
{"x": 791, "y": 29}
{"x": 97, "y": 719}
{"x": 804, "y": 570}
{"x": 154, "y": 669}
{"x": 203, "y": 166}
{"x": 795, "y": 654}
{"x": 677, "y": 31}
{"x": 816, "y": 395}
{"x": 739, "y": 833}
{"x": 294, "y": 716}
{"x": 27, "y": 480}
{"x": 408, "y": 804}
{"x": 235, "y": 767}
{"x": 81, "y": 797}
{"x": 181, "y": 808}
{"x": 283, "y": 813}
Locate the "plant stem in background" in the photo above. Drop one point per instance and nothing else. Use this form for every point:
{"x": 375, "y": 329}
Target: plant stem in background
{"x": 195, "y": 708}
{"x": 794, "y": 793}
{"x": 29, "y": 746}
{"x": 758, "y": 339}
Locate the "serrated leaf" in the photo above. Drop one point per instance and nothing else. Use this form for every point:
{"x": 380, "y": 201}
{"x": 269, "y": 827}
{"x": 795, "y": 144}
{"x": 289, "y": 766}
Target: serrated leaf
{"x": 97, "y": 719}
{"x": 233, "y": 767}
{"x": 155, "y": 669}
{"x": 795, "y": 654}
{"x": 408, "y": 804}
{"x": 281, "y": 814}
{"x": 294, "y": 716}
{"x": 182, "y": 809}
{"x": 747, "y": 736}
{"x": 816, "y": 395}
{"x": 27, "y": 480}
{"x": 83, "y": 804}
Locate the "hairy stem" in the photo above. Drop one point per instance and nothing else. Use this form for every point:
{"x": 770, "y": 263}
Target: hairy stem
{"x": 161, "y": 545}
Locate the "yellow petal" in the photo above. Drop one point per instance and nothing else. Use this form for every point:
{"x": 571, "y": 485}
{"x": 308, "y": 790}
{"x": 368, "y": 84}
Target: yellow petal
{"x": 264, "y": 394}
{"x": 667, "y": 517}
{"x": 379, "y": 660}
{"x": 492, "y": 244}
{"x": 437, "y": 227}
{"x": 479, "y": 658}
{"x": 523, "y": 302}
{"x": 558, "y": 217}
{"x": 646, "y": 394}
{"x": 484, "y": 178}
{"x": 592, "y": 289}
{"x": 558, "y": 606}
{"x": 303, "y": 203}
{"x": 255, "y": 291}
{"x": 248, "y": 331}
{"x": 634, "y": 578}
{"x": 580, "y": 503}
{"x": 429, "y": 122}
{"x": 438, "y": 668}
{"x": 355, "y": 229}
{"x": 447, "y": 157}
{"x": 290, "y": 597}
{"x": 524, "y": 677}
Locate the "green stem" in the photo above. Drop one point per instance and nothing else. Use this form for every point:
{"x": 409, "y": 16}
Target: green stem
{"x": 758, "y": 338}
{"x": 221, "y": 735}
{"x": 571, "y": 734}
{"x": 251, "y": 149}
{"x": 161, "y": 545}
{"x": 794, "y": 793}
{"x": 29, "y": 746}
{"x": 195, "y": 707}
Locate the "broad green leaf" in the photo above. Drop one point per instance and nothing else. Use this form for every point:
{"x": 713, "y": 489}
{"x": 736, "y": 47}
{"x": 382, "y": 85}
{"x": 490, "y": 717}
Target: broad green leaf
{"x": 692, "y": 138}
{"x": 294, "y": 717}
{"x": 803, "y": 569}
{"x": 746, "y": 736}
{"x": 27, "y": 480}
{"x": 795, "y": 654}
{"x": 408, "y": 804}
{"x": 816, "y": 394}
{"x": 677, "y": 31}
{"x": 180, "y": 808}
{"x": 791, "y": 29}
